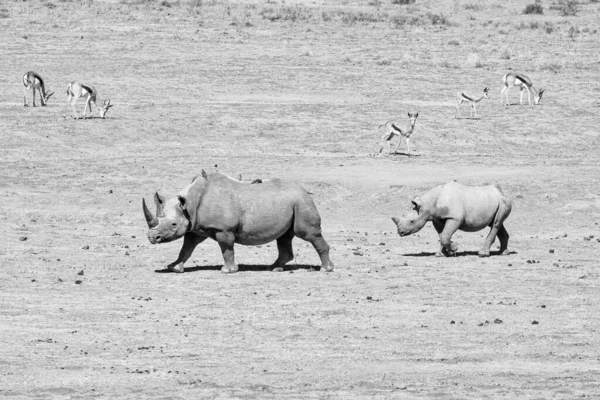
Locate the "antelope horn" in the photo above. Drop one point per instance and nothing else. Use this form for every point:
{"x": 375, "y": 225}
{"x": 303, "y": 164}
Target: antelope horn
{"x": 151, "y": 219}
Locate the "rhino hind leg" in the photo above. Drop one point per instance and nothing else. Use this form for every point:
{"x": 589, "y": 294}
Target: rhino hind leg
{"x": 286, "y": 252}
{"x": 503, "y": 237}
{"x": 307, "y": 226}
{"x": 498, "y": 229}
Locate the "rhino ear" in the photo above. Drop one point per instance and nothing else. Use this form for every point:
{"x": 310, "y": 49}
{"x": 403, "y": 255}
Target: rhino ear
{"x": 417, "y": 203}
{"x": 396, "y": 220}
{"x": 182, "y": 202}
{"x": 204, "y": 175}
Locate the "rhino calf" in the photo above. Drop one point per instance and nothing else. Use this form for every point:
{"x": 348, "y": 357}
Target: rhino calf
{"x": 454, "y": 206}
{"x": 229, "y": 211}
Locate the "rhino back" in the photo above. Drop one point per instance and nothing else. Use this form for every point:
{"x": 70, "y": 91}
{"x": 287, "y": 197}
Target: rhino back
{"x": 475, "y": 206}
{"x": 254, "y": 210}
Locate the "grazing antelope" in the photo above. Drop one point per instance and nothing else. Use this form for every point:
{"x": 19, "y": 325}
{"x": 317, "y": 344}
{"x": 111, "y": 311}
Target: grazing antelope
{"x": 33, "y": 81}
{"x": 89, "y": 94}
{"x": 461, "y": 97}
{"x": 393, "y": 128}
{"x": 524, "y": 83}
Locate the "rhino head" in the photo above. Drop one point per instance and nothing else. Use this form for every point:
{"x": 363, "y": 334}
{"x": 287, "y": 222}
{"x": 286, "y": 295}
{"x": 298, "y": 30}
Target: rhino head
{"x": 170, "y": 222}
{"x": 414, "y": 220}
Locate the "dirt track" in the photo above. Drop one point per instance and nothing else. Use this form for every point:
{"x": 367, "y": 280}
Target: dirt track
{"x": 220, "y": 87}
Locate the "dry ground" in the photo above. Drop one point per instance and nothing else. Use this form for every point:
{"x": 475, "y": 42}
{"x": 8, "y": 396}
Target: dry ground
{"x": 297, "y": 91}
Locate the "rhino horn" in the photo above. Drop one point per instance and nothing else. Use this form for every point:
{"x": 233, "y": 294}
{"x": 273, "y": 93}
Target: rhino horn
{"x": 151, "y": 219}
{"x": 160, "y": 204}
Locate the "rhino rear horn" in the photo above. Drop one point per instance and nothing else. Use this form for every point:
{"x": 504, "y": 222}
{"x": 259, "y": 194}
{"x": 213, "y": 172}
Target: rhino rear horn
{"x": 160, "y": 205}
{"x": 151, "y": 219}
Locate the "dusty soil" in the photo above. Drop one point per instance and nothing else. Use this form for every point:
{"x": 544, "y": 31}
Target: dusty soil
{"x": 297, "y": 91}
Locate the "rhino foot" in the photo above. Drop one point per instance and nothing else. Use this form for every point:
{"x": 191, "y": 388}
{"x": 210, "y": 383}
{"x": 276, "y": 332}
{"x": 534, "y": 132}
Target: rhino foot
{"x": 328, "y": 267}
{"x": 229, "y": 270}
{"x": 176, "y": 268}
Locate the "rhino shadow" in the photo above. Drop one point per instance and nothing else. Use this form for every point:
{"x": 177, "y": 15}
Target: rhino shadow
{"x": 459, "y": 254}
{"x": 400, "y": 153}
{"x": 244, "y": 268}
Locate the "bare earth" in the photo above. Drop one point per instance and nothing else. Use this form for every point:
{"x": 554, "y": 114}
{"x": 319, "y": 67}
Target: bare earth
{"x": 86, "y": 310}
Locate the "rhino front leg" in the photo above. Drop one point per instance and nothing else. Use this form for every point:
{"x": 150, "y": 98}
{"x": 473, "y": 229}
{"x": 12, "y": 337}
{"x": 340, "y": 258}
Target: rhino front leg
{"x": 190, "y": 241}
{"x": 226, "y": 241}
{"x": 450, "y": 227}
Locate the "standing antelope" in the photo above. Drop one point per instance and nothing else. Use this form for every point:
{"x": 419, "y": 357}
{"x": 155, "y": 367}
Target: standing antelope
{"x": 461, "y": 97}
{"x": 33, "y": 81}
{"x": 89, "y": 93}
{"x": 524, "y": 83}
{"x": 393, "y": 128}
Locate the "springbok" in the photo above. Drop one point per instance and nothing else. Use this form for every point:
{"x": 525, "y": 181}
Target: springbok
{"x": 461, "y": 97}
{"x": 524, "y": 83}
{"x": 33, "y": 81}
{"x": 89, "y": 94}
{"x": 394, "y": 128}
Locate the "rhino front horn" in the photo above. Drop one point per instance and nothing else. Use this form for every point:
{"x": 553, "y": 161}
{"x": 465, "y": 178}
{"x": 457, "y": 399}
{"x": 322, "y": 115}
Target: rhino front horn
{"x": 151, "y": 219}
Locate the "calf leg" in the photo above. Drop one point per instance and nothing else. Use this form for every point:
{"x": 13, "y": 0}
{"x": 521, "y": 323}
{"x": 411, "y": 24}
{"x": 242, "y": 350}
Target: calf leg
{"x": 448, "y": 246}
{"x": 226, "y": 241}
{"x": 190, "y": 241}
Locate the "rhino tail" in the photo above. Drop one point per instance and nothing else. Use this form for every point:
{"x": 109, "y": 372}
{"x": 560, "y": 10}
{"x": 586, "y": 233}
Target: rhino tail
{"x": 497, "y": 186}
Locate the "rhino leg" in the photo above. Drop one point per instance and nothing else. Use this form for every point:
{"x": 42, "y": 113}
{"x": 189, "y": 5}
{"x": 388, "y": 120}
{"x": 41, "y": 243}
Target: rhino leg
{"x": 503, "y": 236}
{"x": 307, "y": 226}
{"x": 190, "y": 241}
{"x": 286, "y": 253}
{"x": 450, "y": 227}
{"x": 497, "y": 225}
{"x": 226, "y": 241}
{"x": 439, "y": 227}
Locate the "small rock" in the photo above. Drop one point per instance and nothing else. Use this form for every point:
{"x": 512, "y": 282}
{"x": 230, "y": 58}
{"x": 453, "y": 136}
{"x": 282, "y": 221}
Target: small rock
{"x": 23, "y": 238}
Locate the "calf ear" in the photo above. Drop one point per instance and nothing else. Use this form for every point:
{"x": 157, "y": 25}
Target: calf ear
{"x": 417, "y": 203}
{"x": 396, "y": 220}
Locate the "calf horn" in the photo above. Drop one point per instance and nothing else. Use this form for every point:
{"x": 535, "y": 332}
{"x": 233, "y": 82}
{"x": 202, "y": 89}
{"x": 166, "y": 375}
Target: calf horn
{"x": 151, "y": 219}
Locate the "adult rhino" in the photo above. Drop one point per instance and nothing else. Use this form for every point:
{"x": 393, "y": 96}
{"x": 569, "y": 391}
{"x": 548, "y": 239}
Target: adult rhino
{"x": 229, "y": 211}
{"x": 454, "y": 206}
